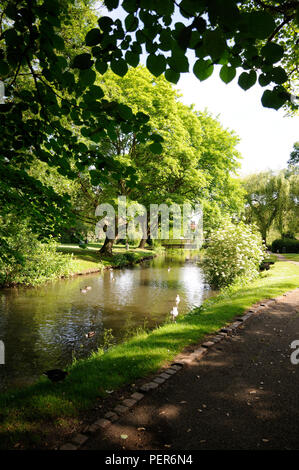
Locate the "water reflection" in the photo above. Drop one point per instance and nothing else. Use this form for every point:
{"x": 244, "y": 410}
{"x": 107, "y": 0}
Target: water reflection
{"x": 45, "y": 327}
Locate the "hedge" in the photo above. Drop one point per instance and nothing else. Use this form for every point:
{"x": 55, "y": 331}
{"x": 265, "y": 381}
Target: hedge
{"x": 285, "y": 245}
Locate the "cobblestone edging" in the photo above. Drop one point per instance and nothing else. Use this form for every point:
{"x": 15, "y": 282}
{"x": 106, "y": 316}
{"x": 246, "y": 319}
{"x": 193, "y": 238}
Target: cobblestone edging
{"x": 180, "y": 361}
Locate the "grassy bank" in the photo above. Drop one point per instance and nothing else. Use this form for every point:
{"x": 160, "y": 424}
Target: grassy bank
{"x": 88, "y": 259}
{"x": 28, "y": 415}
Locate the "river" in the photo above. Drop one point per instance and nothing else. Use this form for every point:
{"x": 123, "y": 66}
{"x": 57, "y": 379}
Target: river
{"x": 46, "y": 327}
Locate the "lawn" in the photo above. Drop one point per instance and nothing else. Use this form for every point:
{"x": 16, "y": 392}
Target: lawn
{"x": 291, "y": 256}
{"x": 88, "y": 259}
{"x": 27, "y": 415}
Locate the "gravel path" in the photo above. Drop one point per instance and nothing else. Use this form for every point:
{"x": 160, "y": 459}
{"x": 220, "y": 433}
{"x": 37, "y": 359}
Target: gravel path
{"x": 242, "y": 395}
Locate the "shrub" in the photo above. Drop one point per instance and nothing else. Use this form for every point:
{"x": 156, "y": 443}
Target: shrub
{"x": 26, "y": 260}
{"x": 290, "y": 245}
{"x": 234, "y": 252}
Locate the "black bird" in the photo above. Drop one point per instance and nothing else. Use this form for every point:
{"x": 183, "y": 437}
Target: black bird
{"x": 56, "y": 375}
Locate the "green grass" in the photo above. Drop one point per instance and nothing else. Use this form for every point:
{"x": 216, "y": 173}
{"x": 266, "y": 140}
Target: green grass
{"x": 291, "y": 256}
{"x": 89, "y": 259}
{"x": 44, "y": 407}
{"x": 271, "y": 257}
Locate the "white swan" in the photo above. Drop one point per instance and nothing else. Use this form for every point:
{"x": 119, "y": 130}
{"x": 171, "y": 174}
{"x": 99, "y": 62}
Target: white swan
{"x": 174, "y": 313}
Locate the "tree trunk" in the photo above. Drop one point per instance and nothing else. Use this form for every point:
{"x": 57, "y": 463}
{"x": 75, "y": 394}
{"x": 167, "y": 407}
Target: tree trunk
{"x": 142, "y": 243}
{"x": 107, "y": 247}
{"x": 146, "y": 232}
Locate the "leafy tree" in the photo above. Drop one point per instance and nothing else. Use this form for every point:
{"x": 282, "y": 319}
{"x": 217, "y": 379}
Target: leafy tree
{"x": 52, "y": 104}
{"x": 257, "y": 36}
{"x": 272, "y": 200}
{"x": 195, "y": 165}
{"x": 294, "y": 157}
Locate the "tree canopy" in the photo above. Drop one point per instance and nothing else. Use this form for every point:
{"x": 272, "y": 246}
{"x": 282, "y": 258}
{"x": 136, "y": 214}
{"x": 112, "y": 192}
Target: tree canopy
{"x": 294, "y": 156}
{"x": 52, "y": 50}
{"x": 272, "y": 201}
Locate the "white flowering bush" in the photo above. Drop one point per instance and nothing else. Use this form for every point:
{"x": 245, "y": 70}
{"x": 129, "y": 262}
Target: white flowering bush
{"x": 233, "y": 252}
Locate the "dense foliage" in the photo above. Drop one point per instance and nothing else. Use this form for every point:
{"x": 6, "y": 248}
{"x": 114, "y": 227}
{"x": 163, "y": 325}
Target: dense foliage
{"x": 285, "y": 245}
{"x": 272, "y": 201}
{"x": 53, "y": 105}
{"x": 294, "y": 156}
{"x": 28, "y": 261}
{"x": 234, "y": 252}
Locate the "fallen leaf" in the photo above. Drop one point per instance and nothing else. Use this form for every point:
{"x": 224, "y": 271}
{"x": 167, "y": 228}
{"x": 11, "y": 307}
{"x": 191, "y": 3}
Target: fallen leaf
{"x": 183, "y": 401}
{"x": 167, "y": 445}
{"x": 265, "y": 440}
{"x": 124, "y": 436}
{"x": 140, "y": 429}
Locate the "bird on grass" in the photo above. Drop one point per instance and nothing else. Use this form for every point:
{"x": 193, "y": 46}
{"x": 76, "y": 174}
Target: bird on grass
{"x": 83, "y": 291}
{"x": 88, "y": 287}
{"x": 177, "y": 299}
{"x": 90, "y": 334}
{"x": 168, "y": 269}
{"x": 174, "y": 313}
{"x": 56, "y": 375}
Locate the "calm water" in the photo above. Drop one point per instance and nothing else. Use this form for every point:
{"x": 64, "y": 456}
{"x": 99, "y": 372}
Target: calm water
{"x": 44, "y": 327}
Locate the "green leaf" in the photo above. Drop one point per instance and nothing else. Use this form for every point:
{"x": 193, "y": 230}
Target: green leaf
{"x": 93, "y": 37}
{"x": 119, "y": 67}
{"x": 166, "y": 40}
{"x": 203, "y": 69}
{"x": 247, "y": 80}
{"x": 142, "y": 117}
{"x": 105, "y": 23}
{"x": 129, "y": 5}
{"x": 82, "y": 61}
{"x": 272, "y": 52}
{"x": 227, "y": 74}
{"x": 4, "y": 68}
{"x": 58, "y": 42}
{"x": 214, "y": 44}
{"x": 274, "y": 98}
{"x": 156, "y": 148}
{"x": 172, "y": 76}
{"x": 259, "y": 24}
{"x": 101, "y": 66}
{"x": 111, "y": 4}
{"x": 87, "y": 77}
{"x": 125, "y": 112}
{"x": 156, "y": 64}
{"x": 265, "y": 79}
{"x": 132, "y": 58}
{"x": 279, "y": 75}
{"x": 96, "y": 92}
{"x": 178, "y": 61}
{"x": 131, "y": 22}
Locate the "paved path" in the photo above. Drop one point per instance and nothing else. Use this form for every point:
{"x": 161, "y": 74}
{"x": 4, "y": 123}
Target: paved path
{"x": 244, "y": 394}
{"x": 283, "y": 258}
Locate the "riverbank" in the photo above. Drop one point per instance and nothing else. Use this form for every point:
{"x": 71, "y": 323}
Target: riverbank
{"x": 76, "y": 262}
{"x": 45, "y": 414}
{"x": 88, "y": 260}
